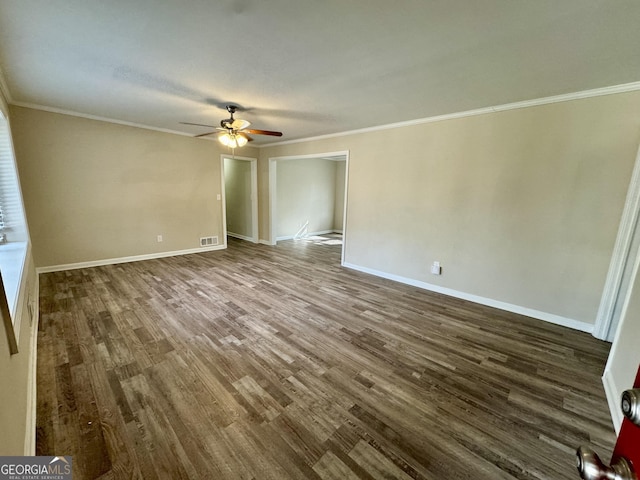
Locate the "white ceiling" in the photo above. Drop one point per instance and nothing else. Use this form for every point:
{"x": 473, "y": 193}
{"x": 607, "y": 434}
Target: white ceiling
{"x": 311, "y": 67}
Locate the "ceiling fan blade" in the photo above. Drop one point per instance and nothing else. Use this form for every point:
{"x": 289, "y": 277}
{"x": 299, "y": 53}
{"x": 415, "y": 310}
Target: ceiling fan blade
{"x": 239, "y": 124}
{"x": 263, "y": 132}
{"x": 197, "y": 124}
{"x": 204, "y": 134}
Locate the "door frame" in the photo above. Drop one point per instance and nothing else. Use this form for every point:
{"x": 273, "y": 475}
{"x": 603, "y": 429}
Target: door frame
{"x": 273, "y": 162}
{"x": 253, "y": 194}
{"x": 619, "y": 279}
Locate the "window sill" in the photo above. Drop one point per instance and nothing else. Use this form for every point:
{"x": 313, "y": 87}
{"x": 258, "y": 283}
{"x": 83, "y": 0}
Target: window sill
{"x": 12, "y": 259}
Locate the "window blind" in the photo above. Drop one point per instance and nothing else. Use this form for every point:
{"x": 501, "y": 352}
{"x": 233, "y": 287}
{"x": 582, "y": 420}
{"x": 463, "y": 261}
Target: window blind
{"x": 11, "y": 210}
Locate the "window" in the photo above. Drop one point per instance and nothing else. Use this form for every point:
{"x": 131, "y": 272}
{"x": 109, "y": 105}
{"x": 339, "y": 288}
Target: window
{"x": 13, "y": 227}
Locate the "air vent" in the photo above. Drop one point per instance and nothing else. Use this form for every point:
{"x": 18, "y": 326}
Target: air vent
{"x": 208, "y": 241}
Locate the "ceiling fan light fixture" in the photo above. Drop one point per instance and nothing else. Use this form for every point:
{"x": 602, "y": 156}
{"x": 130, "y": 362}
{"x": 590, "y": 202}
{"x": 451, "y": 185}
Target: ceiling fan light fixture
{"x": 233, "y": 140}
{"x": 241, "y": 140}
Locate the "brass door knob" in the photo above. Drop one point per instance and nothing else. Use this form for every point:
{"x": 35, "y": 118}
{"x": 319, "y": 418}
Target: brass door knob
{"x": 591, "y": 467}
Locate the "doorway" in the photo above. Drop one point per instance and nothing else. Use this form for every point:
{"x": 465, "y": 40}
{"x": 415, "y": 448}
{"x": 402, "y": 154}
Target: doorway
{"x": 308, "y": 197}
{"x": 240, "y": 184}
{"x": 624, "y": 263}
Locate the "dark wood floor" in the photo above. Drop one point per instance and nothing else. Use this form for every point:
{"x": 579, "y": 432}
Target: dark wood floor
{"x": 262, "y": 362}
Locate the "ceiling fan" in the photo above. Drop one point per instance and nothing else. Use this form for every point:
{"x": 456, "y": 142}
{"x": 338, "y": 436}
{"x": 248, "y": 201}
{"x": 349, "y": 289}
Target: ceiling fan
{"x": 233, "y": 132}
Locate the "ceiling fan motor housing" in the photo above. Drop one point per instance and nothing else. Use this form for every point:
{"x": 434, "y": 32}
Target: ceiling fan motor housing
{"x": 226, "y": 123}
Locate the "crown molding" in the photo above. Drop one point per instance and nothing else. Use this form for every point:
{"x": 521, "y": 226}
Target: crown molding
{"x": 4, "y": 88}
{"x": 596, "y": 92}
{"x": 5, "y": 94}
{"x": 35, "y": 106}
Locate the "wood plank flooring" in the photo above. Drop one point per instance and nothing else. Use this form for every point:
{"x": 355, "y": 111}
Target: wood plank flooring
{"x": 260, "y": 362}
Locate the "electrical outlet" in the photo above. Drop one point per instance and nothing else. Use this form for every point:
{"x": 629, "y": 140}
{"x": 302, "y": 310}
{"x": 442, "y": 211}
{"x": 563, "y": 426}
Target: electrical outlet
{"x": 436, "y": 269}
{"x": 159, "y": 238}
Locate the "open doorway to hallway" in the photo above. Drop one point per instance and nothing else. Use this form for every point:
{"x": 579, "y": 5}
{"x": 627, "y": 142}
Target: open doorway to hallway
{"x": 307, "y": 198}
{"x": 241, "y": 197}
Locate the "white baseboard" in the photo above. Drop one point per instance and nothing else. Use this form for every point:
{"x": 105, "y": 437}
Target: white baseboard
{"x": 265, "y": 242}
{"x": 135, "y": 258}
{"x": 30, "y": 424}
{"x": 613, "y": 399}
{"x": 529, "y": 312}
{"x": 310, "y": 234}
{"x": 241, "y": 237}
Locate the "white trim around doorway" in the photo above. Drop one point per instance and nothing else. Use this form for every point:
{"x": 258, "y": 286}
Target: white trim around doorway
{"x": 273, "y": 190}
{"x": 254, "y": 198}
{"x": 622, "y": 260}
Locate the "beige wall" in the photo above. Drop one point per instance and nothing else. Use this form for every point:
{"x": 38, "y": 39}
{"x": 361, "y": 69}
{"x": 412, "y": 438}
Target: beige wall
{"x": 95, "y": 190}
{"x": 306, "y": 191}
{"x": 520, "y": 207}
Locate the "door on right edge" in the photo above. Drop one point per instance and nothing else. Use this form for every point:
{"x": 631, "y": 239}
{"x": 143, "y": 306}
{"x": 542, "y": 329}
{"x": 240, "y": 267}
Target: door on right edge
{"x": 625, "y": 461}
